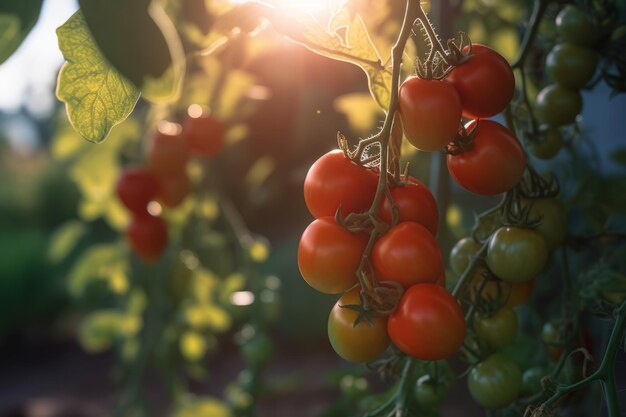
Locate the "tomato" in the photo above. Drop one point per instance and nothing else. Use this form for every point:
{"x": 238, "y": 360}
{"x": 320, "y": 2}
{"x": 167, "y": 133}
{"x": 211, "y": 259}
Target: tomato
{"x": 136, "y": 187}
{"x": 461, "y": 253}
{"x": 493, "y": 165}
{"x": 549, "y": 144}
{"x": 429, "y": 393}
{"x": 574, "y": 25}
{"x": 408, "y": 253}
{"x": 485, "y": 82}
{"x": 497, "y": 330}
{"x": 415, "y": 203}
{"x": 334, "y": 180}
{"x": 519, "y": 293}
{"x": 205, "y": 135}
{"x": 553, "y": 225}
{"x": 173, "y": 188}
{"x": 329, "y": 256}
{"x": 503, "y": 293}
{"x": 363, "y": 342}
{"x": 428, "y": 323}
{"x": 557, "y": 106}
{"x": 495, "y": 382}
{"x": 516, "y": 255}
{"x": 531, "y": 380}
{"x": 430, "y": 112}
{"x": 147, "y": 236}
{"x": 571, "y": 66}
{"x": 166, "y": 154}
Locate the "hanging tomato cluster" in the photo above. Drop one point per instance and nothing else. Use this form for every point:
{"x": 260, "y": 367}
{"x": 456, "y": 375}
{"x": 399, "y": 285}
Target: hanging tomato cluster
{"x": 164, "y": 179}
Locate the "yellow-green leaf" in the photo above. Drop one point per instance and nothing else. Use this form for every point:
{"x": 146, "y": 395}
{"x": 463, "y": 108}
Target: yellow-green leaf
{"x": 96, "y": 96}
{"x": 64, "y": 239}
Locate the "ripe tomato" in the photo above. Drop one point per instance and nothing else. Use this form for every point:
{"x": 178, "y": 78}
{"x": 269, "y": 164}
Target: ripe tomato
{"x": 361, "y": 343}
{"x": 493, "y": 165}
{"x": 334, "y": 180}
{"x": 166, "y": 154}
{"x": 516, "y": 255}
{"x": 497, "y": 330}
{"x": 485, "y": 83}
{"x": 408, "y": 253}
{"x": 204, "y": 135}
{"x": 136, "y": 187}
{"x": 430, "y": 112}
{"x": 428, "y": 323}
{"x": 415, "y": 203}
{"x": 550, "y": 144}
{"x": 495, "y": 382}
{"x": 461, "y": 253}
{"x": 147, "y": 236}
{"x": 557, "y": 106}
{"x": 329, "y": 256}
{"x": 553, "y": 226}
{"x": 173, "y": 188}
{"x": 573, "y": 25}
{"x": 571, "y": 66}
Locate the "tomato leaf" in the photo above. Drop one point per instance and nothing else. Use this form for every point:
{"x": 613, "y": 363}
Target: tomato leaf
{"x": 140, "y": 41}
{"x": 64, "y": 240}
{"x": 96, "y": 96}
{"x": 17, "y": 18}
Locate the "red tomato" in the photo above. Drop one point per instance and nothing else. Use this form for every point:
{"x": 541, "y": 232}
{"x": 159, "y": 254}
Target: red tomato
{"x": 408, "y": 253}
{"x": 415, "y": 203}
{"x": 430, "y": 111}
{"x": 148, "y": 236}
{"x": 334, "y": 180}
{"x": 173, "y": 189}
{"x": 205, "y": 135}
{"x": 428, "y": 323}
{"x": 493, "y": 165}
{"x": 329, "y": 256}
{"x": 485, "y": 82}
{"x": 136, "y": 187}
{"x": 166, "y": 154}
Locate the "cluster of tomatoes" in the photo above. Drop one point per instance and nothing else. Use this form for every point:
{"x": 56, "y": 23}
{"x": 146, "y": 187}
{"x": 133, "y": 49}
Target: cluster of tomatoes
{"x": 164, "y": 179}
{"x": 571, "y": 64}
{"x": 428, "y": 322}
{"x": 485, "y": 157}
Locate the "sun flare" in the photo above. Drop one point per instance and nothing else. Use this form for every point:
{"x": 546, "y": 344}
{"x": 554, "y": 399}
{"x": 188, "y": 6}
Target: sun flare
{"x": 310, "y": 6}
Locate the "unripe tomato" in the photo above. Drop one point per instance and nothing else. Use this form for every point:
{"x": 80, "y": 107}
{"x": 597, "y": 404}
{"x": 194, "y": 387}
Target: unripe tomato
{"x": 531, "y": 380}
{"x": 166, "y": 154}
{"x": 497, "y": 330}
{"x": 430, "y": 112}
{"x": 553, "y": 225}
{"x": 408, "y": 253}
{"x": 136, "y": 187}
{"x": 147, "y": 236}
{"x": 485, "y": 82}
{"x": 493, "y": 165}
{"x": 550, "y": 144}
{"x": 429, "y": 393}
{"x": 504, "y": 293}
{"x": 573, "y": 25}
{"x": 495, "y": 382}
{"x": 571, "y": 66}
{"x": 333, "y": 180}
{"x": 173, "y": 188}
{"x": 461, "y": 253}
{"x": 329, "y": 256}
{"x": 428, "y": 323}
{"x": 362, "y": 342}
{"x": 557, "y": 105}
{"x": 415, "y": 203}
{"x": 516, "y": 255}
{"x": 205, "y": 135}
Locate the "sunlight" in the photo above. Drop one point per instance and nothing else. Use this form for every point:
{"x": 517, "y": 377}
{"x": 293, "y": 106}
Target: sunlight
{"x": 310, "y": 6}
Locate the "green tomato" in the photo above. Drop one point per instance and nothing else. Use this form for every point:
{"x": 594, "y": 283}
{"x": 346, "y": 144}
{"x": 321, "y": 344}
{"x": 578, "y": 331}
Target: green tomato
{"x": 550, "y": 144}
{"x": 553, "y": 225}
{"x": 428, "y": 392}
{"x": 573, "y": 25}
{"x": 461, "y": 253}
{"x": 495, "y": 382}
{"x": 557, "y": 106}
{"x": 516, "y": 255}
{"x": 497, "y": 330}
{"x": 531, "y": 380}
{"x": 571, "y": 66}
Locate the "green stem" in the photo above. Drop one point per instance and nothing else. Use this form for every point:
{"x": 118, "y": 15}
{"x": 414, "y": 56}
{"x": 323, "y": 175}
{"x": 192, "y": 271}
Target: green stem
{"x": 538, "y": 11}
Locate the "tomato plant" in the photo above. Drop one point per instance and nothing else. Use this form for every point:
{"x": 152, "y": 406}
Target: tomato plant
{"x": 148, "y": 236}
{"x": 548, "y": 145}
{"x": 516, "y": 255}
{"x": 461, "y": 253}
{"x": 573, "y": 25}
{"x": 552, "y": 220}
{"x": 571, "y": 66}
{"x": 498, "y": 329}
{"x": 557, "y": 105}
{"x": 495, "y": 382}
{"x": 415, "y": 203}
{"x": 136, "y": 187}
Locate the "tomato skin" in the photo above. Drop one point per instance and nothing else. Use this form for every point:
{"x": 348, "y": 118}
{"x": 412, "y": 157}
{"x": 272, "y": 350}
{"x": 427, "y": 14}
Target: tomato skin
{"x": 549, "y": 146}
{"x": 573, "y": 25}
{"x": 329, "y": 256}
{"x": 428, "y": 323}
{"x": 485, "y": 83}
{"x": 173, "y": 189}
{"x": 571, "y": 66}
{"x": 557, "y": 105}
{"x": 148, "y": 236}
{"x": 516, "y": 255}
{"x": 334, "y": 180}
{"x": 553, "y": 225}
{"x": 429, "y": 394}
{"x": 415, "y": 203}
{"x": 531, "y": 380}
{"x": 497, "y": 330}
{"x": 493, "y": 165}
{"x": 205, "y": 135}
{"x": 408, "y": 253}
{"x": 430, "y": 112}
{"x": 361, "y": 343}
{"x": 166, "y": 154}
{"x": 495, "y": 382}
{"x": 136, "y": 187}
{"x": 461, "y": 253}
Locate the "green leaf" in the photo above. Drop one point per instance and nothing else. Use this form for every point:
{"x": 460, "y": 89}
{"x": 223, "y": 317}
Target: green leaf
{"x": 64, "y": 240}
{"x": 99, "y": 262}
{"x": 96, "y": 96}
{"x": 140, "y": 41}
{"x": 17, "y": 18}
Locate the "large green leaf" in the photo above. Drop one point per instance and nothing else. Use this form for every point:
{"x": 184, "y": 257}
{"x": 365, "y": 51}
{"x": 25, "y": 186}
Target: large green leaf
{"x": 17, "y": 18}
{"x": 141, "y": 42}
{"x": 96, "y": 96}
